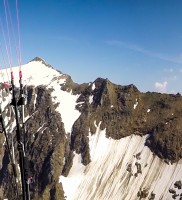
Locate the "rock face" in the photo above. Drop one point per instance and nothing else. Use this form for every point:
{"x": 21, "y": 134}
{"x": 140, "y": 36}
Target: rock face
{"x": 45, "y": 148}
{"x": 123, "y": 111}
{"x": 120, "y": 110}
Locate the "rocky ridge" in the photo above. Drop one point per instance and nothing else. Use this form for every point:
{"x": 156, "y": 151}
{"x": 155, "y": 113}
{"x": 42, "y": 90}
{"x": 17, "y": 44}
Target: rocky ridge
{"x": 122, "y": 111}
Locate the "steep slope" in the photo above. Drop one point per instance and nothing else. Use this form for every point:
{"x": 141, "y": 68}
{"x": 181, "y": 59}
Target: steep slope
{"x": 122, "y": 169}
{"x": 97, "y": 140}
{"x": 119, "y": 165}
{"x": 123, "y": 111}
{"x": 49, "y": 116}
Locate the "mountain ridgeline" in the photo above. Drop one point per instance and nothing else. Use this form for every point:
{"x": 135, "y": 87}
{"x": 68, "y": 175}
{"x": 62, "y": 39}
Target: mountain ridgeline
{"x": 123, "y": 111}
{"x": 120, "y": 111}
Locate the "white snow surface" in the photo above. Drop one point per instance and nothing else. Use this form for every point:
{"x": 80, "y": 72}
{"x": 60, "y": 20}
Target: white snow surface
{"x": 91, "y": 99}
{"x": 93, "y": 86}
{"x": 37, "y": 73}
{"x": 34, "y": 73}
{"x": 107, "y": 178}
{"x": 74, "y": 178}
{"x": 136, "y": 104}
{"x": 66, "y": 107}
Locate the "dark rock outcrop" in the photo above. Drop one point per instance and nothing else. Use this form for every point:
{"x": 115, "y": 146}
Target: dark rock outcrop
{"x": 122, "y": 111}
{"x": 45, "y": 148}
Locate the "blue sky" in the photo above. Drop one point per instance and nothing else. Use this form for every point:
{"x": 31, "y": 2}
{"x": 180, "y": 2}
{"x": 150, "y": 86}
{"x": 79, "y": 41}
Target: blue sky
{"x": 127, "y": 41}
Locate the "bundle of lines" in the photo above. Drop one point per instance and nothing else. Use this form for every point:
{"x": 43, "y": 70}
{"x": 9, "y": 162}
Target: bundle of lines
{"x": 19, "y": 163}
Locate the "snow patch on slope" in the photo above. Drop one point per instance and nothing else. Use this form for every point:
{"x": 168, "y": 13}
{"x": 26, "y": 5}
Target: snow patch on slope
{"x": 91, "y": 99}
{"x": 66, "y": 106}
{"x": 108, "y": 176}
{"x": 93, "y": 86}
{"x": 135, "y": 105}
{"x": 37, "y": 73}
{"x": 73, "y": 180}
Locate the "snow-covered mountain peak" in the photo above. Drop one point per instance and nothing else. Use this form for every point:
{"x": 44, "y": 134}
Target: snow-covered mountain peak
{"x": 38, "y": 59}
{"x": 36, "y": 72}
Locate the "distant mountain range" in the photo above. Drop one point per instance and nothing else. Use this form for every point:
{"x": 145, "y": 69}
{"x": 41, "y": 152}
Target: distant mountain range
{"x": 94, "y": 141}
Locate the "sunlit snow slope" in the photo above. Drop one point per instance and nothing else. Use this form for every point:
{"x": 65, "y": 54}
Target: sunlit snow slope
{"x": 121, "y": 170}
{"x": 37, "y": 73}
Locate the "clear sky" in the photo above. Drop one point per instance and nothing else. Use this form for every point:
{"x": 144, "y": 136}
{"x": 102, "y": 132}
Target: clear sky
{"x": 126, "y": 41}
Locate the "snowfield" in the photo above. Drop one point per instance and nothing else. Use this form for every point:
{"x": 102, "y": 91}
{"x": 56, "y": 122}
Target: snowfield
{"x": 37, "y": 73}
{"x": 112, "y": 174}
